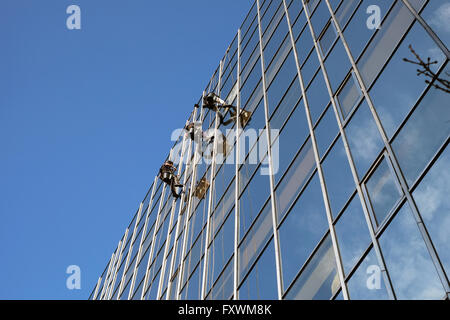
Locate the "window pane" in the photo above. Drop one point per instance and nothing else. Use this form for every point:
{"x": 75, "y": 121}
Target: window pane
{"x": 319, "y": 280}
{"x": 338, "y": 177}
{"x": 356, "y": 33}
{"x": 367, "y": 283}
{"x": 383, "y": 191}
{"x": 436, "y": 14}
{"x": 353, "y": 234}
{"x": 408, "y": 262}
{"x": 306, "y": 223}
{"x": 337, "y": 65}
{"x": 348, "y": 96}
{"x": 326, "y": 131}
{"x": 363, "y": 138}
{"x": 432, "y": 199}
{"x": 399, "y": 87}
{"x": 381, "y": 47}
{"x": 261, "y": 284}
{"x": 423, "y": 134}
{"x": 295, "y": 179}
{"x": 318, "y": 97}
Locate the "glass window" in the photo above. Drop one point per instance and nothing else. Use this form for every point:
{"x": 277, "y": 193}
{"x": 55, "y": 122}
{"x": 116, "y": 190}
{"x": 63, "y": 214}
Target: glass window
{"x": 327, "y": 38}
{"x": 436, "y": 15}
{"x": 282, "y": 80}
{"x": 223, "y": 288}
{"x": 433, "y": 201}
{"x": 326, "y": 131}
{"x": 356, "y": 33}
{"x": 319, "y": 280}
{"x": 408, "y": 262}
{"x": 367, "y": 283}
{"x": 353, "y": 234}
{"x": 318, "y": 97}
{"x": 364, "y": 139}
{"x": 423, "y": 134}
{"x": 348, "y": 96}
{"x": 299, "y": 22}
{"x": 253, "y": 198}
{"x": 399, "y": 87}
{"x": 309, "y": 68}
{"x": 295, "y": 179}
{"x": 337, "y": 65}
{"x": 291, "y": 139}
{"x": 255, "y": 240}
{"x": 345, "y": 11}
{"x": 304, "y": 44}
{"x": 381, "y": 47}
{"x": 383, "y": 191}
{"x": 306, "y": 223}
{"x": 275, "y": 41}
{"x": 338, "y": 177}
{"x": 320, "y": 18}
{"x": 261, "y": 283}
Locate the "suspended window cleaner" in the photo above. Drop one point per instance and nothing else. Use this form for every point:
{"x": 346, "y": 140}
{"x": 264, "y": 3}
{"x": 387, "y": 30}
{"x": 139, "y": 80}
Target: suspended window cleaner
{"x": 213, "y": 102}
{"x": 196, "y": 133}
{"x": 167, "y": 175}
{"x": 206, "y": 140}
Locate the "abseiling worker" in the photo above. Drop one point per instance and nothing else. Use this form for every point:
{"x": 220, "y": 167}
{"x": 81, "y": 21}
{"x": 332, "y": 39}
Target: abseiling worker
{"x": 167, "y": 175}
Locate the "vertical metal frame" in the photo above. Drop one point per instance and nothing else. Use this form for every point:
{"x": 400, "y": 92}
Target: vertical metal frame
{"x": 276, "y": 241}
{"x": 107, "y": 275}
{"x": 188, "y": 211}
{"x": 169, "y": 233}
{"x": 152, "y": 246}
{"x": 117, "y": 265}
{"x": 180, "y": 214}
{"x": 337, "y": 255}
{"x": 144, "y": 229}
{"x": 236, "y": 178}
{"x": 133, "y": 235}
{"x": 395, "y": 163}
{"x": 211, "y": 192}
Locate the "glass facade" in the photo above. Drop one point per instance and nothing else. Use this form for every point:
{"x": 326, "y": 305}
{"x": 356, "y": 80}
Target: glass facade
{"x": 338, "y": 185}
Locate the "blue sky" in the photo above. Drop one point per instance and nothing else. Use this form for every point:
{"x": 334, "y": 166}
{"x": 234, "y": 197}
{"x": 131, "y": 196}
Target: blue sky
{"x": 85, "y": 121}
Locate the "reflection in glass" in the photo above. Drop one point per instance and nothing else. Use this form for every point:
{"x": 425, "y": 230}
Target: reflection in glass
{"x": 338, "y": 177}
{"x": 408, "y": 262}
{"x": 399, "y": 87}
{"x": 326, "y": 131}
{"x": 353, "y": 234}
{"x": 432, "y": 199}
{"x": 363, "y": 138}
{"x": 261, "y": 284}
{"x": 295, "y": 179}
{"x": 319, "y": 280}
{"x": 301, "y": 231}
{"x": 348, "y": 96}
{"x": 367, "y": 283}
{"x": 383, "y": 191}
{"x": 423, "y": 134}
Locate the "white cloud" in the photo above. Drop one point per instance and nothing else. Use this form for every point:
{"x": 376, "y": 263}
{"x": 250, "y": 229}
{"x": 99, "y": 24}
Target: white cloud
{"x": 441, "y": 17}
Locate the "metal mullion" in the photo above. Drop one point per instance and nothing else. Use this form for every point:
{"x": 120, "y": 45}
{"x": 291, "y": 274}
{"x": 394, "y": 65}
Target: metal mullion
{"x": 211, "y": 191}
{"x": 188, "y": 211}
{"x": 270, "y": 160}
{"x": 400, "y": 177}
{"x": 338, "y": 260}
{"x": 152, "y": 245}
{"x": 353, "y": 169}
{"x": 106, "y": 282}
{"x": 116, "y": 266}
{"x": 237, "y": 160}
{"x": 180, "y": 214}
{"x": 138, "y": 218}
{"x": 169, "y": 232}
{"x": 144, "y": 229}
